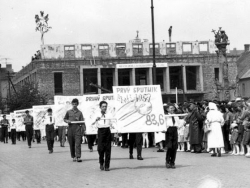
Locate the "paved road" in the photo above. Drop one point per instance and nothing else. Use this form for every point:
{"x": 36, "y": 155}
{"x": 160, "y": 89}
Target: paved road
{"x": 24, "y": 167}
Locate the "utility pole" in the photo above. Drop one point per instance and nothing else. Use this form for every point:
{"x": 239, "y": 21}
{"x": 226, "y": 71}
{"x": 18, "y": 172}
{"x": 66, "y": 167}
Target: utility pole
{"x": 182, "y": 77}
{"x": 153, "y": 39}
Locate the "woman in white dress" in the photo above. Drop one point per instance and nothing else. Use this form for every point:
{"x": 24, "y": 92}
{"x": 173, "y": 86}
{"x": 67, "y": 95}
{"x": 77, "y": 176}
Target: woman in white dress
{"x": 215, "y": 121}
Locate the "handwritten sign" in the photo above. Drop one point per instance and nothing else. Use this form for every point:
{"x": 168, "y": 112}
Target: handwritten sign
{"x": 19, "y": 117}
{"x": 92, "y": 108}
{"x": 39, "y": 114}
{"x": 139, "y": 108}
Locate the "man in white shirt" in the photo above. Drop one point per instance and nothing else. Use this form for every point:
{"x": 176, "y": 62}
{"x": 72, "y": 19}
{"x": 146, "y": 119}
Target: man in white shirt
{"x": 103, "y": 123}
{"x": 49, "y": 128}
{"x": 13, "y": 131}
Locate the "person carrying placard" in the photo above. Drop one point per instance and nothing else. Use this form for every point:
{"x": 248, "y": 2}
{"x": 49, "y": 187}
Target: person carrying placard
{"x": 28, "y": 122}
{"x": 4, "y": 123}
{"x": 13, "y": 131}
{"x": 103, "y": 123}
{"x": 75, "y": 130}
{"x": 49, "y": 122}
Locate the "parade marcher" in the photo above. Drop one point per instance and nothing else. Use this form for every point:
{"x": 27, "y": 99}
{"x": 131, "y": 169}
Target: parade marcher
{"x": 135, "y": 138}
{"x": 103, "y": 123}
{"x": 172, "y": 124}
{"x": 28, "y": 122}
{"x": 13, "y": 131}
{"x": 38, "y": 136}
{"x": 215, "y": 121}
{"x": 49, "y": 128}
{"x": 5, "y": 124}
{"x": 75, "y": 130}
{"x": 195, "y": 121}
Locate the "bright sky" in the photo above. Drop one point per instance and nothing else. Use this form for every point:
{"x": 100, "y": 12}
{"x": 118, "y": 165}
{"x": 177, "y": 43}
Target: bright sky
{"x": 111, "y": 21}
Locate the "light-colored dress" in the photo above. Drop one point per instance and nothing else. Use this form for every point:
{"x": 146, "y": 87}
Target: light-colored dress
{"x": 215, "y": 137}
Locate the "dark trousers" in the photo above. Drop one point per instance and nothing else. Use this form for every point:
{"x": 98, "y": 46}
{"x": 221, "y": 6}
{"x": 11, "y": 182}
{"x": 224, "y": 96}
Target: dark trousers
{"x": 18, "y": 135}
{"x": 75, "y": 141}
{"x": 29, "y": 134}
{"x": 5, "y": 134}
{"x": 38, "y": 136}
{"x": 62, "y": 134}
{"x": 104, "y": 146}
{"x": 13, "y": 136}
{"x": 170, "y": 156}
{"x": 91, "y": 140}
{"x": 124, "y": 139}
{"x": 135, "y": 138}
{"x": 225, "y": 132}
{"x": 24, "y": 134}
{"x": 50, "y": 136}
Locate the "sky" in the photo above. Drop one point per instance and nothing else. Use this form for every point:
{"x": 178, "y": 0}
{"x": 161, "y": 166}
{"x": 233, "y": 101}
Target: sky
{"x": 114, "y": 21}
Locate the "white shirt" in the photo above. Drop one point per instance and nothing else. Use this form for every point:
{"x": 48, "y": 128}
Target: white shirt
{"x": 169, "y": 121}
{"x": 105, "y": 120}
{"x": 49, "y": 120}
{"x": 13, "y": 126}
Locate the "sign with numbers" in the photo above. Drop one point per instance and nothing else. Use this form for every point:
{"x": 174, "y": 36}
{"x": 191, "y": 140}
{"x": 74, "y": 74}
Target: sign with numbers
{"x": 139, "y": 108}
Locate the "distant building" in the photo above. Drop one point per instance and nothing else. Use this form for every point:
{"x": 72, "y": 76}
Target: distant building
{"x": 4, "y": 85}
{"x": 69, "y": 69}
{"x": 243, "y": 64}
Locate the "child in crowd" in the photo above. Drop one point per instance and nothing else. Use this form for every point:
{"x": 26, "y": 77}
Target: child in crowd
{"x": 234, "y": 137}
{"x": 181, "y": 129}
{"x": 145, "y": 140}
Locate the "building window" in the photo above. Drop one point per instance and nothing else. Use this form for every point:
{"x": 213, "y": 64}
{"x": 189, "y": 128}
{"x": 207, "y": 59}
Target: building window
{"x": 216, "y": 74}
{"x": 137, "y": 50}
{"x": 103, "y": 50}
{"x": 159, "y": 77}
{"x": 141, "y": 76}
{"x": 90, "y": 76}
{"x": 203, "y": 47}
{"x": 171, "y": 48}
{"x": 120, "y": 50}
{"x": 124, "y": 77}
{"x": 58, "y": 83}
{"x": 187, "y": 48}
{"x": 175, "y": 74}
{"x": 69, "y": 52}
{"x": 243, "y": 90}
{"x": 86, "y": 51}
{"x": 157, "y": 49}
{"x": 191, "y": 77}
{"x": 107, "y": 79}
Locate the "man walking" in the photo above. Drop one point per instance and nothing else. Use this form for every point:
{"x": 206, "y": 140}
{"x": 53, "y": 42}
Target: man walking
{"x": 5, "y": 124}
{"x": 49, "y": 128}
{"x": 28, "y": 122}
{"x": 103, "y": 123}
{"x": 75, "y": 130}
{"x": 135, "y": 138}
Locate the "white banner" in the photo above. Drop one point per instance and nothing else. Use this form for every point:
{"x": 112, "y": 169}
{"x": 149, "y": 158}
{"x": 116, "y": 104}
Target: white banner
{"x": 39, "y": 114}
{"x": 91, "y": 108}
{"x": 19, "y": 116}
{"x": 62, "y": 105}
{"x": 139, "y": 108}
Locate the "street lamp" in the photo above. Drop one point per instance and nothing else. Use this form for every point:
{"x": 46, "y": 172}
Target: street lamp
{"x": 153, "y": 39}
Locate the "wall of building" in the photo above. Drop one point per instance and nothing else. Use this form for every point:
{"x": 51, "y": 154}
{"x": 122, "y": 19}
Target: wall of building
{"x": 244, "y": 87}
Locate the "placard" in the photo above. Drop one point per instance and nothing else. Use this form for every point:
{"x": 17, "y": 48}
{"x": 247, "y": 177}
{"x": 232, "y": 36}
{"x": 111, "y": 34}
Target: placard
{"x": 19, "y": 117}
{"x": 39, "y": 114}
{"x": 139, "y": 108}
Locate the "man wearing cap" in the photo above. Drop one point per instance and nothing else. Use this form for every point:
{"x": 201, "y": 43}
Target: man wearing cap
{"x": 75, "y": 130}
{"x": 4, "y": 123}
{"x": 28, "y": 122}
{"x": 195, "y": 121}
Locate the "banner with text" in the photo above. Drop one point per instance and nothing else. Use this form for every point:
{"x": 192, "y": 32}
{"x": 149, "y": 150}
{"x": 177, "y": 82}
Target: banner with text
{"x": 19, "y": 117}
{"x": 139, "y": 108}
{"x": 39, "y": 114}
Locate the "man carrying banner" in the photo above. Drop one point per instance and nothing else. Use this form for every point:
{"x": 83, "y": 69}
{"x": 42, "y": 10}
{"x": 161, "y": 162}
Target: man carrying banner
{"x": 103, "y": 123}
{"x": 4, "y": 123}
{"x": 49, "y": 128}
{"x": 28, "y": 122}
{"x": 75, "y": 130}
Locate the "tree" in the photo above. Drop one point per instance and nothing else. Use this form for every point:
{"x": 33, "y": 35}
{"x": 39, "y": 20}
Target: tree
{"x": 26, "y": 96}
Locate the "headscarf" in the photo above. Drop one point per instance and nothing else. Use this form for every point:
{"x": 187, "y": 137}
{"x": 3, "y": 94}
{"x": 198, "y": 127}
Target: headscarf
{"x": 212, "y": 106}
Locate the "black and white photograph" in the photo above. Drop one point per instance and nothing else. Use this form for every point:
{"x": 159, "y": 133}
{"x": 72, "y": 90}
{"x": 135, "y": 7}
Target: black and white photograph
{"x": 124, "y": 93}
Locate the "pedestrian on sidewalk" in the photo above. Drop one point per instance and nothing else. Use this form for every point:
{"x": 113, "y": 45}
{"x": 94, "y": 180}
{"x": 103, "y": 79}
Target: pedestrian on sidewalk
{"x": 103, "y": 123}
{"x": 75, "y": 130}
{"x": 50, "y": 129}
